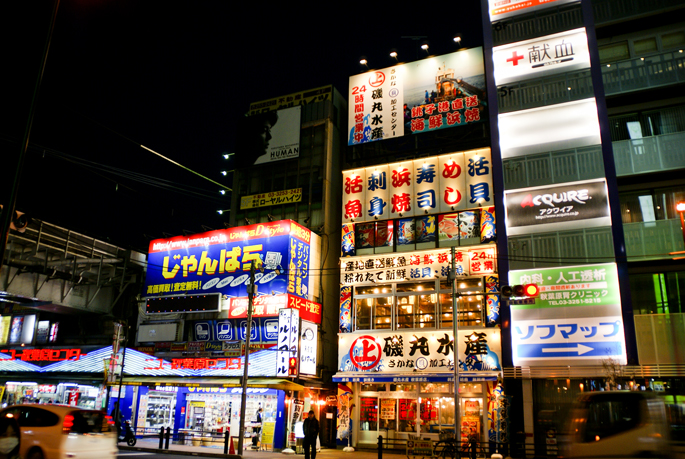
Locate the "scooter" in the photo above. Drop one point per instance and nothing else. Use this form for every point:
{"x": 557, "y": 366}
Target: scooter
{"x": 128, "y": 435}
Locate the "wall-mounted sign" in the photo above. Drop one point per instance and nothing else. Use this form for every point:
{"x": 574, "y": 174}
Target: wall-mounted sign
{"x": 219, "y": 261}
{"x": 395, "y": 267}
{"x": 426, "y": 95}
{"x": 557, "y": 127}
{"x": 576, "y": 319}
{"x": 195, "y": 364}
{"x": 412, "y": 352}
{"x": 269, "y": 305}
{"x": 272, "y": 198}
{"x": 44, "y": 355}
{"x": 268, "y": 137}
{"x": 309, "y": 340}
{"x": 424, "y": 186}
{"x": 500, "y": 9}
{"x": 557, "y": 207}
{"x": 544, "y": 56}
{"x": 288, "y": 338}
{"x": 309, "y": 96}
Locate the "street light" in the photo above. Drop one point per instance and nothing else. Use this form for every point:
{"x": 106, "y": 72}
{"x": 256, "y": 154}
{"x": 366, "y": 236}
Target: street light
{"x": 680, "y": 207}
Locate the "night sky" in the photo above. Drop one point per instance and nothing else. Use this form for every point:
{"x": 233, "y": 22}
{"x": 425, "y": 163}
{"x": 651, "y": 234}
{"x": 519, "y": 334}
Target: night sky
{"x": 174, "y": 77}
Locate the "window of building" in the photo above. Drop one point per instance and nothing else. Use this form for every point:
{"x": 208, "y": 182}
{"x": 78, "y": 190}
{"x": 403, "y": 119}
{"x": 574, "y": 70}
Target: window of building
{"x": 673, "y": 40}
{"x": 419, "y": 305}
{"x": 614, "y": 52}
{"x": 645, "y": 46}
{"x": 651, "y": 205}
{"x": 658, "y": 293}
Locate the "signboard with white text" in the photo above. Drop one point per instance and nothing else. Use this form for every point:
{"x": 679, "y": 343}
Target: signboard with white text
{"x": 288, "y": 339}
{"x": 557, "y": 207}
{"x": 308, "y": 347}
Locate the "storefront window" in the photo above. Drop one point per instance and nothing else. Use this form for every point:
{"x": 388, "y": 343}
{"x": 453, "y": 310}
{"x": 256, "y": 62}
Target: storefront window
{"x": 370, "y": 387}
{"x": 388, "y": 408}
{"x": 436, "y": 387}
{"x": 368, "y": 413}
{"x": 470, "y": 388}
{"x": 471, "y": 418}
{"x": 407, "y": 415}
{"x": 429, "y": 415}
{"x": 373, "y": 313}
{"x": 402, "y": 387}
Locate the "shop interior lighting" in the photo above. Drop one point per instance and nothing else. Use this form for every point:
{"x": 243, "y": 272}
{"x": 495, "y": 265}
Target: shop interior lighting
{"x": 393, "y": 54}
{"x": 457, "y": 39}
{"x": 424, "y": 47}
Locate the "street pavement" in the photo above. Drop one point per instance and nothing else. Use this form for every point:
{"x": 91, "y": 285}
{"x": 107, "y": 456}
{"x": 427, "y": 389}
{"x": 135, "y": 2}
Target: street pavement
{"x": 152, "y": 445}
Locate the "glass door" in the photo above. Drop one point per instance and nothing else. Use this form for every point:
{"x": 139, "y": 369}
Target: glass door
{"x": 387, "y": 417}
{"x": 368, "y": 419}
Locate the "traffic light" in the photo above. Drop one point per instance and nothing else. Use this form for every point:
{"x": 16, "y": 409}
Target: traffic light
{"x": 292, "y": 366}
{"x": 19, "y": 221}
{"x": 520, "y": 291}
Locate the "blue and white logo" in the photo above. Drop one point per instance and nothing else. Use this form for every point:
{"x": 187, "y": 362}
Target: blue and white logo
{"x": 202, "y": 332}
{"x": 224, "y": 330}
{"x": 271, "y": 330}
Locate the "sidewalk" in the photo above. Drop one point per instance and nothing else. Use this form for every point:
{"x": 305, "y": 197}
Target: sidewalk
{"x": 152, "y": 444}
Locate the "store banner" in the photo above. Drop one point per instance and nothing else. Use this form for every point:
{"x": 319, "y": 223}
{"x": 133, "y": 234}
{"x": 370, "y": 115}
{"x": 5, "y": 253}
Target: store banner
{"x": 434, "y": 93}
{"x": 288, "y": 338}
{"x": 345, "y": 309}
{"x": 501, "y": 9}
{"x": 421, "y": 187}
{"x": 219, "y": 261}
{"x": 557, "y": 207}
{"x": 415, "y": 352}
{"x": 309, "y": 341}
{"x": 393, "y": 267}
{"x": 576, "y": 319}
{"x": 540, "y": 57}
{"x": 272, "y": 198}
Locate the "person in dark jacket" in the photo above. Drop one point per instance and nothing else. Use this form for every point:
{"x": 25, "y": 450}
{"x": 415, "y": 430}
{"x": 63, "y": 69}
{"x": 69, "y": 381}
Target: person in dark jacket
{"x": 311, "y": 432}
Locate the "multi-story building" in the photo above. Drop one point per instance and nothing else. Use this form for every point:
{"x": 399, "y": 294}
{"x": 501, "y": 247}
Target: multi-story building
{"x": 195, "y": 324}
{"x": 624, "y": 62}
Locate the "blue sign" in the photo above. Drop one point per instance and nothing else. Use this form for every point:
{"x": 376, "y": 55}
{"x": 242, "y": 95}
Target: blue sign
{"x": 203, "y": 331}
{"x": 585, "y": 349}
{"x": 270, "y": 332}
{"x": 220, "y": 261}
{"x": 224, "y": 330}
{"x": 242, "y": 331}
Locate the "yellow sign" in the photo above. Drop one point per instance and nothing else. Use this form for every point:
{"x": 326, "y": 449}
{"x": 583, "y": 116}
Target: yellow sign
{"x": 309, "y": 96}
{"x": 268, "y": 429}
{"x": 196, "y": 403}
{"x": 271, "y": 198}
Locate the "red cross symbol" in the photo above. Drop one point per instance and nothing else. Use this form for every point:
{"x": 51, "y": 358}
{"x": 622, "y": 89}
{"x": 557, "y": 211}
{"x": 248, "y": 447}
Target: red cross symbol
{"x": 515, "y": 58}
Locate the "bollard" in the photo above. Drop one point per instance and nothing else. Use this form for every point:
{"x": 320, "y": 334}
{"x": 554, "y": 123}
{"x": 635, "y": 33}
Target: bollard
{"x": 168, "y": 434}
{"x": 380, "y": 447}
{"x": 161, "y": 437}
{"x": 226, "y": 442}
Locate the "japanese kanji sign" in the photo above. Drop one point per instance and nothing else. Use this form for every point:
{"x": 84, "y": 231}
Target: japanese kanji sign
{"x": 411, "y": 352}
{"x": 309, "y": 340}
{"x": 269, "y": 305}
{"x": 549, "y": 55}
{"x": 288, "y": 339}
{"x": 426, "y": 95}
{"x": 576, "y": 319}
{"x": 500, "y": 9}
{"x": 271, "y": 198}
{"x": 416, "y": 265}
{"x": 426, "y": 186}
{"x": 573, "y": 205}
{"x": 219, "y": 261}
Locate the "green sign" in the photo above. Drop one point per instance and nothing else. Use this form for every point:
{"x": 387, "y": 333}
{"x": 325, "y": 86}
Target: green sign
{"x": 423, "y": 448}
{"x": 569, "y": 286}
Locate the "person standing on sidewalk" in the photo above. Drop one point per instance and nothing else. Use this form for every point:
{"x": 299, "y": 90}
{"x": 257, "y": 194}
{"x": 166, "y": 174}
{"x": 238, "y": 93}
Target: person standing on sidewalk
{"x": 311, "y": 433}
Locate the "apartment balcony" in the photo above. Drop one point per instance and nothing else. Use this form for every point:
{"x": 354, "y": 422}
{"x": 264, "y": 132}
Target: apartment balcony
{"x": 608, "y": 11}
{"x": 653, "y": 240}
{"x": 643, "y": 73}
{"x": 650, "y": 154}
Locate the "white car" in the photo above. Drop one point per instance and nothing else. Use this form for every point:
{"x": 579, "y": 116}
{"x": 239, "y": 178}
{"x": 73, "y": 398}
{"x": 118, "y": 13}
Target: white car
{"x": 63, "y": 432}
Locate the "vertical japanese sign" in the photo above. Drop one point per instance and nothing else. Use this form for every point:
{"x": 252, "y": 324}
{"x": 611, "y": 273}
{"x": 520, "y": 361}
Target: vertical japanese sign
{"x": 425, "y": 186}
{"x": 426, "y": 183}
{"x": 576, "y": 319}
{"x": 401, "y": 190}
{"x": 288, "y": 337}
{"x": 354, "y": 196}
{"x": 298, "y": 268}
{"x": 377, "y": 193}
{"x": 345, "y": 309}
{"x": 308, "y": 348}
{"x": 427, "y": 95}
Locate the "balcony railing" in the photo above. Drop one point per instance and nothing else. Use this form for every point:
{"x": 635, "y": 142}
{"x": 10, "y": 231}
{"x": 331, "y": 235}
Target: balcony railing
{"x": 618, "y": 77}
{"x": 653, "y": 240}
{"x": 650, "y": 154}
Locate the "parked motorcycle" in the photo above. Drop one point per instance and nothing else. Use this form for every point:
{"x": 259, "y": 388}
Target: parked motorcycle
{"x": 127, "y": 434}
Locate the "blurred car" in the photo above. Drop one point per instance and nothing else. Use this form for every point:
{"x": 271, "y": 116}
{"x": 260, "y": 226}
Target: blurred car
{"x": 63, "y": 432}
{"x": 617, "y": 424}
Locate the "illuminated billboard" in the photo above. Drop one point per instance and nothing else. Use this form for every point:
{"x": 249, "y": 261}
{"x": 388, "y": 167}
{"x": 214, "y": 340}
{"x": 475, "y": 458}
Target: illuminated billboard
{"x": 427, "y": 95}
{"x": 501, "y": 9}
{"x": 576, "y": 319}
{"x": 219, "y": 261}
{"x": 557, "y": 207}
{"x": 425, "y": 186}
{"x": 268, "y": 137}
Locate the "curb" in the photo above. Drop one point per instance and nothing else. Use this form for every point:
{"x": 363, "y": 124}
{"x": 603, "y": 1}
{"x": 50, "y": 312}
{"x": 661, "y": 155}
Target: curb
{"x": 179, "y": 452}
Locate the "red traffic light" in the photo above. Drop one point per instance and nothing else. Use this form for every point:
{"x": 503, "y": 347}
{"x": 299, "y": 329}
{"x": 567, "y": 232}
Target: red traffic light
{"x": 531, "y": 290}
{"x": 292, "y": 366}
{"x": 520, "y": 291}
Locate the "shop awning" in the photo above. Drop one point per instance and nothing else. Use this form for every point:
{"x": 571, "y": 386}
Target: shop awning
{"x": 271, "y": 383}
{"x": 414, "y": 377}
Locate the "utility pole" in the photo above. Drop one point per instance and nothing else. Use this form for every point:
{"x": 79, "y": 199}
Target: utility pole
{"x": 455, "y": 331}
{"x": 251, "y": 290}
